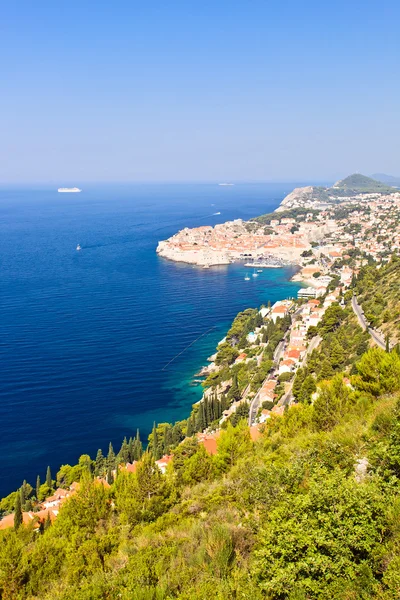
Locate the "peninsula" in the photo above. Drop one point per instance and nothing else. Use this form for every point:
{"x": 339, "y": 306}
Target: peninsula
{"x": 331, "y": 220}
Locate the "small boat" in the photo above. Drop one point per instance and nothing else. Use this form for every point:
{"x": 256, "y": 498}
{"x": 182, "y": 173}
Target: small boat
{"x": 255, "y": 274}
{"x": 247, "y": 278}
{"x": 259, "y": 270}
{"x": 78, "y": 247}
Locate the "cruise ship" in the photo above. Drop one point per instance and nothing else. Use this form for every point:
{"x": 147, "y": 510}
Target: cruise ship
{"x": 71, "y": 190}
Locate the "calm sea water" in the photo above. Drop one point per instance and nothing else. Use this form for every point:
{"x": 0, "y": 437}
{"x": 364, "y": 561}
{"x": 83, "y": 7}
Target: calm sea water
{"x": 86, "y": 337}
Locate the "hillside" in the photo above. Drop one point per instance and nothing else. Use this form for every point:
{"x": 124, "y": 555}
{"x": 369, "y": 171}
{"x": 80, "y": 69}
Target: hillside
{"x": 379, "y": 294}
{"x": 306, "y": 510}
{"x": 388, "y": 179}
{"x": 359, "y": 184}
{"x": 318, "y": 198}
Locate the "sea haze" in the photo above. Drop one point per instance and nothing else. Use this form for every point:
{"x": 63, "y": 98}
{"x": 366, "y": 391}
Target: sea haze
{"x": 86, "y": 337}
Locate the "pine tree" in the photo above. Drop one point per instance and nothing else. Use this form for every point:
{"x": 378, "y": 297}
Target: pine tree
{"x": 99, "y": 463}
{"x": 49, "y": 481}
{"x": 298, "y": 382}
{"x": 47, "y": 522}
{"x": 37, "y": 486}
{"x": 336, "y": 353}
{"x": 111, "y": 459}
{"x": 326, "y": 370}
{"x": 17, "y": 512}
{"x": 307, "y": 389}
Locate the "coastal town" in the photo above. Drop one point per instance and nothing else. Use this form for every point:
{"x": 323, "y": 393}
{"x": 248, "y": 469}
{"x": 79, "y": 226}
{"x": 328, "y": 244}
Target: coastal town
{"x": 319, "y": 238}
{"x": 256, "y": 366}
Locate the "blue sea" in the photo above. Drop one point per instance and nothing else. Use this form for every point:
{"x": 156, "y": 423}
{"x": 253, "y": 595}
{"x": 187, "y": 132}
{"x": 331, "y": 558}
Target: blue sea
{"x": 97, "y": 343}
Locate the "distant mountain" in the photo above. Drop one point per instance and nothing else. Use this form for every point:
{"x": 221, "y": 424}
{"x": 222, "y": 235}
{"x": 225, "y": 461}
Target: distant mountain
{"x": 359, "y": 184}
{"x": 389, "y": 179}
{"x": 313, "y": 197}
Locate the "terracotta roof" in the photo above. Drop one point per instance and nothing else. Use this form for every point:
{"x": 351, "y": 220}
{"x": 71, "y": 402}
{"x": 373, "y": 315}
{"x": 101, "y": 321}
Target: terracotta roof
{"x": 131, "y": 467}
{"x": 255, "y": 432}
{"x": 278, "y": 410}
{"x": 279, "y": 309}
{"x": 209, "y": 440}
{"x": 288, "y": 362}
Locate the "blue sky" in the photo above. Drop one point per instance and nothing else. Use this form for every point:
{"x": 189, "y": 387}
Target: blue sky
{"x": 198, "y": 91}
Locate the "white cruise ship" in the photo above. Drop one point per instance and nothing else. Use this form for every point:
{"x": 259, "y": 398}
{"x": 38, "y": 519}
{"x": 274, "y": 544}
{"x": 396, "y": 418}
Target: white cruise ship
{"x": 70, "y": 190}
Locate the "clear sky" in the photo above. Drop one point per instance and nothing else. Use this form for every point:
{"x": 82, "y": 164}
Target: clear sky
{"x": 218, "y": 90}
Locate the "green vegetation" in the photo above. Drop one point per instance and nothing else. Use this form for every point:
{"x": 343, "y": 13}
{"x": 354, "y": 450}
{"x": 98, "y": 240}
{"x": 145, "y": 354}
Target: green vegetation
{"x": 378, "y": 291}
{"x": 309, "y": 511}
{"x": 357, "y": 183}
{"x": 294, "y": 213}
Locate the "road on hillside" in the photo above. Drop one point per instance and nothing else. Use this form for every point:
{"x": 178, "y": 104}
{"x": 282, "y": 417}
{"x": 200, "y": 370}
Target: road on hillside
{"x": 279, "y": 350}
{"x": 378, "y": 339}
{"x": 287, "y": 398}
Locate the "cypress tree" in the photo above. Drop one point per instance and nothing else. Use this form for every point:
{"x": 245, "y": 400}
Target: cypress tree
{"x": 37, "y": 486}
{"x": 167, "y": 439}
{"x": 207, "y": 412}
{"x": 123, "y": 455}
{"x": 213, "y": 408}
{"x": 18, "y": 512}
{"x": 49, "y": 481}
{"x": 137, "y": 447}
{"x": 99, "y": 463}
{"x": 224, "y": 403}
{"x": 154, "y": 444}
{"x": 131, "y": 449}
{"x": 234, "y": 391}
{"x": 219, "y": 409}
{"x": 47, "y": 522}
{"x": 111, "y": 459}
{"x": 190, "y": 428}
{"x": 201, "y": 422}
{"x": 22, "y": 495}
{"x": 110, "y": 477}
{"x": 177, "y": 434}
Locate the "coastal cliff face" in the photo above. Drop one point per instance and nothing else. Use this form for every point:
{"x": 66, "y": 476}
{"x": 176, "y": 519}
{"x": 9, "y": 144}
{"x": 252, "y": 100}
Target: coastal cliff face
{"x": 222, "y": 244}
{"x": 303, "y": 196}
